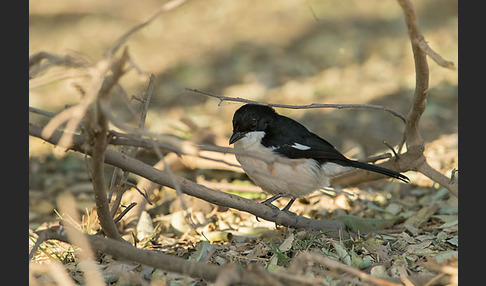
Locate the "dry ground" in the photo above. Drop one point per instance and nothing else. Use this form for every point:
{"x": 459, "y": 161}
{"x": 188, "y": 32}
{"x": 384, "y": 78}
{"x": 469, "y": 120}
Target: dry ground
{"x": 294, "y": 52}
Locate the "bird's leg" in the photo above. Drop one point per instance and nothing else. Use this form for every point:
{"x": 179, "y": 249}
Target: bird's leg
{"x": 269, "y": 200}
{"x": 287, "y": 207}
{"x": 286, "y": 210}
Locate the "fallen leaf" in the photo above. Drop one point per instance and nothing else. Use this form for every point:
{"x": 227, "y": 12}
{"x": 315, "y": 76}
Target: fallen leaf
{"x": 454, "y": 240}
{"x": 342, "y": 253}
{"x": 446, "y": 255}
{"x": 287, "y": 243}
{"x": 202, "y": 250}
{"x": 144, "y": 226}
{"x": 422, "y": 215}
{"x": 379, "y": 271}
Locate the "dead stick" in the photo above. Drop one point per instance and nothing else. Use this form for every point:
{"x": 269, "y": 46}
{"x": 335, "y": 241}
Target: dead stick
{"x": 307, "y": 106}
{"x": 98, "y": 130}
{"x": 157, "y": 259}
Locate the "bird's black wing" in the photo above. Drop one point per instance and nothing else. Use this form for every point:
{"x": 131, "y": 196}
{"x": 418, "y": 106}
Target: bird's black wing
{"x": 292, "y": 140}
{"x": 312, "y": 147}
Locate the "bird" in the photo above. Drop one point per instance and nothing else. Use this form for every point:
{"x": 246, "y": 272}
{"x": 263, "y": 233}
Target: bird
{"x": 284, "y": 158}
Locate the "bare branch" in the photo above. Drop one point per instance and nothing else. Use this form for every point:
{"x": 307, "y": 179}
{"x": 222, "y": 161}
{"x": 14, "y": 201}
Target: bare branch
{"x": 307, "y": 106}
{"x": 35, "y": 66}
{"x": 414, "y": 158}
{"x": 435, "y": 56}
{"x": 418, "y": 40}
{"x": 119, "y": 189}
{"x": 413, "y": 137}
{"x": 438, "y": 177}
{"x": 98, "y": 131}
{"x": 188, "y": 187}
{"x": 124, "y": 212}
{"x": 164, "y": 8}
{"x": 158, "y": 259}
{"x": 73, "y": 115}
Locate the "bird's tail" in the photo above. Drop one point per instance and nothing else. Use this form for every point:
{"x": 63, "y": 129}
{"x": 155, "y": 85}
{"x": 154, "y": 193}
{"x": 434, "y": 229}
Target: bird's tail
{"x": 378, "y": 169}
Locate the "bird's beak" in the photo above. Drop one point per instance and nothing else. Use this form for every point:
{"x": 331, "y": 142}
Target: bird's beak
{"x": 236, "y": 136}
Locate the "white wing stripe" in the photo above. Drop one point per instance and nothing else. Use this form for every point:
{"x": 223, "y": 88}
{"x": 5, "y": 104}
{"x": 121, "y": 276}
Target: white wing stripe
{"x": 300, "y": 147}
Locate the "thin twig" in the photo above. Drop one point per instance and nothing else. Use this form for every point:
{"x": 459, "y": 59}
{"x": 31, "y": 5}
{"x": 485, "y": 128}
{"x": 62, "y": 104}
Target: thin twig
{"x": 73, "y": 115}
{"x": 433, "y": 55}
{"x": 35, "y": 66}
{"x": 113, "y": 184}
{"x": 391, "y": 148}
{"x": 119, "y": 188}
{"x": 124, "y": 212}
{"x": 41, "y": 112}
{"x": 373, "y": 159}
{"x": 120, "y": 41}
{"x": 177, "y": 187}
{"x": 453, "y": 174}
{"x": 142, "y": 193}
{"x": 146, "y": 101}
{"x": 307, "y": 106}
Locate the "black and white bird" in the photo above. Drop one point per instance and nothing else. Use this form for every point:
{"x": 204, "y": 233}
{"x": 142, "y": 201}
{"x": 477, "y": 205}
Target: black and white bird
{"x": 297, "y": 161}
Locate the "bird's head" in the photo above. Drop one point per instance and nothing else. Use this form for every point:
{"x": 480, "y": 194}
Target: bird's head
{"x": 249, "y": 118}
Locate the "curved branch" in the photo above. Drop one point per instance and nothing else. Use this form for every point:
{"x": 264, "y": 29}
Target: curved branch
{"x": 436, "y": 176}
{"x": 98, "y": 131}
{"x": 412, "y": 135}
{"x": 414, "y": 158}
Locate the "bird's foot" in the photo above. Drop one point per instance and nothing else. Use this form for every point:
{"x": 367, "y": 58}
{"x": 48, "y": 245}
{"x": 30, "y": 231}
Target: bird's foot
{"x": 276, "y": 209}
{"x": 269, "y": 201}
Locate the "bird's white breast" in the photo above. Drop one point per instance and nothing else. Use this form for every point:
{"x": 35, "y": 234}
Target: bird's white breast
{"x": 292, "y": 177}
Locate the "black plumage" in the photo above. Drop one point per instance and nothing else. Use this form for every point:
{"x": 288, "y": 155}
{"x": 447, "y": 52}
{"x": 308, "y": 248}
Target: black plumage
{"x": 284, "y": 136}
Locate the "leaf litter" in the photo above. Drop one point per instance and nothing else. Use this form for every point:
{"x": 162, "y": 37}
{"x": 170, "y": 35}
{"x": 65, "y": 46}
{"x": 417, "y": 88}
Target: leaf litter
{"x": 393, "y": 235}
